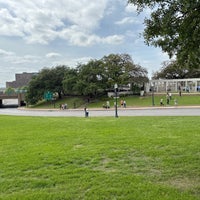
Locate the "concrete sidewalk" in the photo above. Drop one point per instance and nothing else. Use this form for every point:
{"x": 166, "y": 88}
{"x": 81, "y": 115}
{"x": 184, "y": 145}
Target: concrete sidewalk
{"x": 98, "y": 112}
{"x": 112, "y": 108}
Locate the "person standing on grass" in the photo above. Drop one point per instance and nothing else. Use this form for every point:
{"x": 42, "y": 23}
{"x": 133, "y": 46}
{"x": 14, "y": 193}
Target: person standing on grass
{"x": 86, "y": 112}
{"x": 107, "y": 104}
{"x": 167, "y": 99}
{"x": 161, "y": 102}
{"x": 124, "y": 104}
{"x": 170, "y": 96}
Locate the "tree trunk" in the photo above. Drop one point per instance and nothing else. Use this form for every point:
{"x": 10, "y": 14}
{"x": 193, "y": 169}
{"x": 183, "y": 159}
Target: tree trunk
{"x": 59, "y": 95}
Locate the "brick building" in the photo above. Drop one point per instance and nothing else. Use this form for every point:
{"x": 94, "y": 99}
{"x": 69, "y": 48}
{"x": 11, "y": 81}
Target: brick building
{"x": 20, "y": 80}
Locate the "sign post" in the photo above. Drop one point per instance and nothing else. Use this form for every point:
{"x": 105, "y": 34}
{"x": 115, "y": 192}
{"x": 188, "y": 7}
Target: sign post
{"x": 48, "y": 95}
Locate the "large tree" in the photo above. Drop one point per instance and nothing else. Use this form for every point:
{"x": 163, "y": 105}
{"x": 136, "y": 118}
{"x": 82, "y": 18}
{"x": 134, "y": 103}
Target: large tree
{"x": 120, "y": 68}
{"x": 172, "y": 70}
{"x": 69, "y": 82}
{"x": 174, "y": 25}
{"x": 91, "y": 79}
{"x": 48, "y": 79}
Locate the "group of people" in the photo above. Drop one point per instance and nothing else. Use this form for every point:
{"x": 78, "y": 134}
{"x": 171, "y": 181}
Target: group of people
{"x": 63, "y": 106}
{"x": 122, "y": 104}
{"x": 168, "y": 99}
{"x": 107, "y": 105}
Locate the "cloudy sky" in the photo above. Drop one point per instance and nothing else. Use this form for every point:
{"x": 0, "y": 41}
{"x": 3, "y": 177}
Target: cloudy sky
{"x": 44, "y": 33}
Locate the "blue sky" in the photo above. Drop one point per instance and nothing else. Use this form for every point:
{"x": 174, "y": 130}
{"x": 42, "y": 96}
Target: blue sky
{"x": 45, "y": 33}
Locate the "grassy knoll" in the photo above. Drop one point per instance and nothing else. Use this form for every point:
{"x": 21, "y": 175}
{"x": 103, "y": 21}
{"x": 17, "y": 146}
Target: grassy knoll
{"x": 132, "y": 101}
{"x": 137, "y": 101}
{"x": 140, "y": 158}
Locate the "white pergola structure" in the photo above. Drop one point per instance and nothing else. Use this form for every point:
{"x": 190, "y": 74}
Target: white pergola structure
{"x": 174, "y": 85}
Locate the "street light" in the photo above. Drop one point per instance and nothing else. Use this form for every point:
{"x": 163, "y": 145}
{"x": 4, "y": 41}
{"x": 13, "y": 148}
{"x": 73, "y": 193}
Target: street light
{"x": 152, "y": 90}
{"x": 116, "y": 90}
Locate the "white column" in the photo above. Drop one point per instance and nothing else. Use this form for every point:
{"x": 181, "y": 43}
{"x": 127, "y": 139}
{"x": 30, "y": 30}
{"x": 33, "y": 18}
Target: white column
{"x": 195, "y": 86}
{"x": 176, "y": 87}
{"x": 166, "y": 86}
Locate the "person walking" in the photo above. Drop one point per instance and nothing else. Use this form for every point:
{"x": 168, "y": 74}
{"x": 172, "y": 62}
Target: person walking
{"x": 168, "y": 98}
{"x": 86, "y": 112}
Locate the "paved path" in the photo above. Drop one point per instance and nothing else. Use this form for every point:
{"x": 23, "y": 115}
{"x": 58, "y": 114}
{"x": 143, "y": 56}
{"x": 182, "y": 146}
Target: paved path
{"x": 147, "y": 111}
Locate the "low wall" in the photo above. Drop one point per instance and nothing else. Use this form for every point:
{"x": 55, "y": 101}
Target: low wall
{"x": 112, "y": 94}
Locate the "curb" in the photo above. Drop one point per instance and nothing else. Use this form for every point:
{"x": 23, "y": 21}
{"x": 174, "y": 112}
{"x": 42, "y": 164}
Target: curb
{"x": 103, "y": 109}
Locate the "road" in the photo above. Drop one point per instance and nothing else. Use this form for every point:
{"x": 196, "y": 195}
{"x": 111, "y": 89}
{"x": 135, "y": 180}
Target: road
{"x": 148, "y": 111}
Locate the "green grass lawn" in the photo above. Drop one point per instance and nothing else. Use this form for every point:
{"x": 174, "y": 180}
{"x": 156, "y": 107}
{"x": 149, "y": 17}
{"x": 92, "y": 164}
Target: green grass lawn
{"x": 135, "y": 158}
{"x": 137, "y": 101}
{"x": 132, "y": 101}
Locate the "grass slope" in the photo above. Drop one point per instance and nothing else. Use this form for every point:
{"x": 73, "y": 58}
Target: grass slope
{"x": 132, "y": 101}
{"x": 140, "y": 158}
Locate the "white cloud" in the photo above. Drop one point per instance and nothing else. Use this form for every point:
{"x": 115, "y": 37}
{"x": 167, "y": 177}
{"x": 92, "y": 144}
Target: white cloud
{"x": 4, "y": 53}
{"x": 10, "y": 25}
{"x": 78, "y": 38}
{"x": 130, "y": 8}
{"x": 45, "y": 33}
{"x": 114, "y": 39}
{"x": 162, "y": 56}
{"x": 26, "y": 59}
{"x": 71, "y": 62}
{"x": 43, "y": 21}
{"x": 128, "y": 20}
{"x": 53, "y": 55}
{"x": 13, "y": 58}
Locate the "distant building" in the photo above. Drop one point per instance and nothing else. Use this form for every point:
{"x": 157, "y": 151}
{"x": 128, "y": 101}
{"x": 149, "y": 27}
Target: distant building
{"x": 21, "y": 80}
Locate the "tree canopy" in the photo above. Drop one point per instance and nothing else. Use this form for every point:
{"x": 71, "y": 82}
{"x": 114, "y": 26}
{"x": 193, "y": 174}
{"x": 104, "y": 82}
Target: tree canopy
{"x": 174, "y": 25}
{"x": 120, "y": 68}
{"x": 46, "y": 80}
{"x": 90, "y": 79}
{"x": 173, "y": 70}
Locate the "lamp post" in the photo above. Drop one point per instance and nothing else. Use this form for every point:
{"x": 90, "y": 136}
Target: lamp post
{"x": 152, "y": 90}
{"x": 116, "y": 89}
